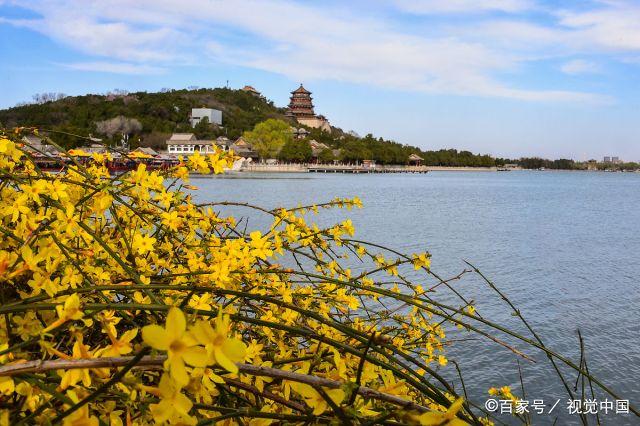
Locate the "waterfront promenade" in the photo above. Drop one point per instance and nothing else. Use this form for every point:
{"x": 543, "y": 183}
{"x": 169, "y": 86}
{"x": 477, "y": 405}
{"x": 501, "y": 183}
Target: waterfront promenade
{"x": 354, "y": 169}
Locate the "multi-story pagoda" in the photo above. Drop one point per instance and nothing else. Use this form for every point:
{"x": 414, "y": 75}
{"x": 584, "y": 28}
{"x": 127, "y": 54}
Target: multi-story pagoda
{"x": 301, "y": 108}
{"x": 301, "y": 104}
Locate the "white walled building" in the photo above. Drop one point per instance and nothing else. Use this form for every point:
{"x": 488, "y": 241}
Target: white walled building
{"x": 197, "y": 114}
{"x": 187, "y": 143}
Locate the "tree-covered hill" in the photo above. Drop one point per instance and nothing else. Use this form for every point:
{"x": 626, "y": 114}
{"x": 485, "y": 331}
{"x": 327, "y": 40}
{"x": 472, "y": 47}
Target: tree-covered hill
{"x": 157, "y": 115}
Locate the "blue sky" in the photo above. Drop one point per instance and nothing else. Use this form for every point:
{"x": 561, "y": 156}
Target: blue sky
{"x": 503, "y": 77}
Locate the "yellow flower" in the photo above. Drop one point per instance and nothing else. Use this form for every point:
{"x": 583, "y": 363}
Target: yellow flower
{"x": 422, "y": 260}
{"x": 143, "y": 243}
{"x": 34, "y": 190}
{"x": 173, "y": 407}
{"x": 223, "y": 350}
{"x": 253, "y": 352}
{"x": 347, "y": 227}
{"x": 202, "y": 302}
{"x": 448, "y": 418}
{"x": 27, "y": 326}
{"x": 67, "y": 312}
{"x": 164, "y": 198}
{"x": 75, "y": 375}
{"x": 8, "y": 148}
{"x": 80, "y": 417}
{"x": 6, "y": 385}
{"x": 260, "y": 246}
{"x": 180, "y": 346}
{"x": 442, "y": 360}
{"x": 31, "y": 396}
{"x": 314, "y": 399}
{"x": 198, "y": 162}
{"x": 121, "y": 346}
{"x": 71, "y": 309}
{"x": 171, "y": 220}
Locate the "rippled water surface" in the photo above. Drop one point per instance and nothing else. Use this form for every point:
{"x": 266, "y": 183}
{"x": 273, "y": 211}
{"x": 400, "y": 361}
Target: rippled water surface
{"x": 564, "y": 246}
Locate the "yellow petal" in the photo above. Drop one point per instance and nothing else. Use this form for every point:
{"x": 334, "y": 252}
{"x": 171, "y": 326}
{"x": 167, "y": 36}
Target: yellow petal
{"x": 234, "y": 349}
{"x": 183, "y": 404}
{"x": 223, "y": 361}
{"x": 203, "y": 332}
{"x": 320, "y": 407}
{"x": 178, "y": 372}
{"x": 129, "y": 335}
{"x": 304, "y": 389}
{"x": 161, "y": 411}
{"x": 336, "y": 395}
{"x": 196, "y": 356}
{"x": 156, "y": 337}
{"x": 176, "y": 323}
{"x": 454, "y": 408}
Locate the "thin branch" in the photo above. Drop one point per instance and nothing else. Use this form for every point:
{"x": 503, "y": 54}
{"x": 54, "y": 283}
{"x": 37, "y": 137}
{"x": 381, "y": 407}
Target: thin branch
{"x": 154, "y": 361}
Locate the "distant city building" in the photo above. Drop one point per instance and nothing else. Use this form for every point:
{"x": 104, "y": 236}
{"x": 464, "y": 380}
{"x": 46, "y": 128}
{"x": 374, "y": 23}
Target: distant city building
{"x": 301, "y": 108}
{"x": 615, "y": 160}
{"x": 606, "y": 160}
{"x": 197, "y": 114}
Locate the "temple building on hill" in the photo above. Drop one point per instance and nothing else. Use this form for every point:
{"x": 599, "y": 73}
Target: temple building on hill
{"x": 252, "y": 91}
{"x": 301, "y": 108}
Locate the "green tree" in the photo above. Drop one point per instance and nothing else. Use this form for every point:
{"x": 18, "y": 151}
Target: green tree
{"x": 356, "y": 150}
{"x": 204, "y": 129}
{"x": 296, "y": 150}
{"x": 326, "y": 156}
{"x": 268, "y": 137}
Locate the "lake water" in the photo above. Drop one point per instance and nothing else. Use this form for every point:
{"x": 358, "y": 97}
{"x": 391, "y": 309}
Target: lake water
{"x": 564, "y": 246}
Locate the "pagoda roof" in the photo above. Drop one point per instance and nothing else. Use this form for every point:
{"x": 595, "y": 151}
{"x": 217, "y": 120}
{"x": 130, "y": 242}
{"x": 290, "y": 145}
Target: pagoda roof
{"x": 301, "y": 89}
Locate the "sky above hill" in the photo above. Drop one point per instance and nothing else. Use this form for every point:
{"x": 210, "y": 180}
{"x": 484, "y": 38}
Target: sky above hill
{"x": 503, "y": 77}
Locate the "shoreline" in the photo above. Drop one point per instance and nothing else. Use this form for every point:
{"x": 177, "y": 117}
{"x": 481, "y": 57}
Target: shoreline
{"x": 300, "y": 168}
{"x": 291, "y": 168}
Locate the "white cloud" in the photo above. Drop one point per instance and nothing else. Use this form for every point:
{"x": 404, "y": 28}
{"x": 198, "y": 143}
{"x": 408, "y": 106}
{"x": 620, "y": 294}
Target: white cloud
{"x": 463, "y": 6}
{"x": 299, "y": 40}
{"x": 615, "y": 26}
{"x": 80, "y": 29}
{"x": 579, "y": 66}
{"x": 114, "y": 67}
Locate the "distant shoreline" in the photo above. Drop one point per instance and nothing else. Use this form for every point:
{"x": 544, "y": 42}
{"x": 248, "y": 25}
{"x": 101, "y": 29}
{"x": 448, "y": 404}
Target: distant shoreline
{"x": 293, "y": 170}
{"x": 300, "y": 168}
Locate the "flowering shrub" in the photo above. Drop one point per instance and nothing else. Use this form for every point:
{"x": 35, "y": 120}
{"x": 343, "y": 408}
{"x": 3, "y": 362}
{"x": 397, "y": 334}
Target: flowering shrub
{"x": 125, "y": 302}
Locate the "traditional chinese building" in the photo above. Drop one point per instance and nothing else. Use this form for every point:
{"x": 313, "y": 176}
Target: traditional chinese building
{"x": 301, "y": 108}
{"x": 251, "y": 90}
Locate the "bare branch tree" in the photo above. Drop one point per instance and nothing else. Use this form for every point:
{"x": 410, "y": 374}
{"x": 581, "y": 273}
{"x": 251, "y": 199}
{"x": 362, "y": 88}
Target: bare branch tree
{"x": 119, "y": 124}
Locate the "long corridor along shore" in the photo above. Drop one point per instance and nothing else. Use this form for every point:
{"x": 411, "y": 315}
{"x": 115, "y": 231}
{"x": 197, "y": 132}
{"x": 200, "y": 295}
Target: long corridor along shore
{"x": 355, "y": 169}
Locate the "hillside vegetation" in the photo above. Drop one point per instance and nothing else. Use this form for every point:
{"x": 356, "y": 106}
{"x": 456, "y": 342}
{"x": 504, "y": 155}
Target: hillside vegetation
{"x": 163, "y": 113}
